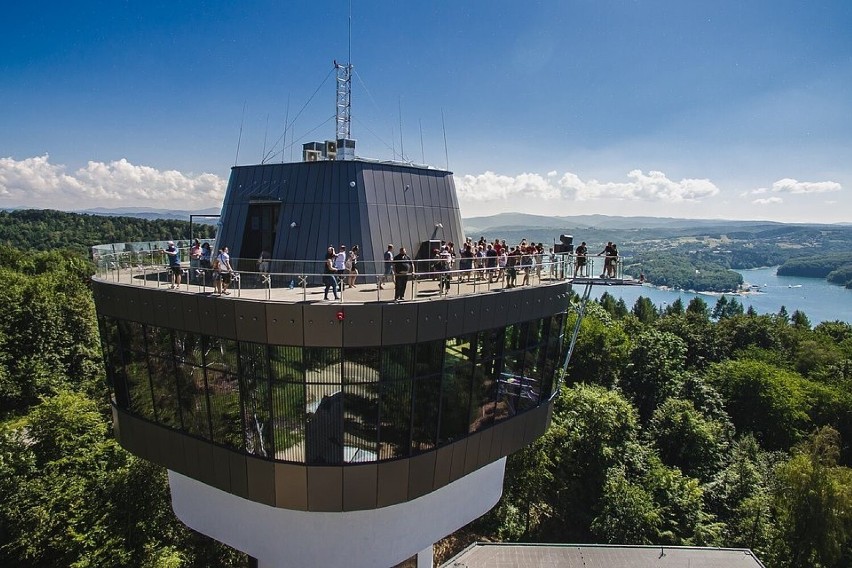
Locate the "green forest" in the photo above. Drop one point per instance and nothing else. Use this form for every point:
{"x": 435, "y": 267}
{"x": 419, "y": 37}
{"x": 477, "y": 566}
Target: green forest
{"x": 690, "y": 425}
{"x": 836, "y": 268}
{"x": 45, "y": 229}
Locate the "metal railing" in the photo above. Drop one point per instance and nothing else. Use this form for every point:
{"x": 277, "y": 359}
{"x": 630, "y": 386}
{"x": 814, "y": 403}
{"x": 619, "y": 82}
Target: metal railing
{"x": 145, "y": 264}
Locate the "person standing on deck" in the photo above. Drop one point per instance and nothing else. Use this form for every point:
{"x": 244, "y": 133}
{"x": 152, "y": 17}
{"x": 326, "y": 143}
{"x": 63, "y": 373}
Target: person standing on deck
{"x": 388, "y": 275}
{"x": 174, "y": 264}
{"x": 402, "y": 269}
{"x": 225, "y": 270}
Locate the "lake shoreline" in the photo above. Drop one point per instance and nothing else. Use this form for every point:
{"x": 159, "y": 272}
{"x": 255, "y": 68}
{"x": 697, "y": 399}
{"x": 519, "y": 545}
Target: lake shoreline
{"x": 819, "y": 299}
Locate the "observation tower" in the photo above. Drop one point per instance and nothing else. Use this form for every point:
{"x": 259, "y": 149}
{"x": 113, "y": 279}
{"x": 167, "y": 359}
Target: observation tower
{"x": 307, "y": 432}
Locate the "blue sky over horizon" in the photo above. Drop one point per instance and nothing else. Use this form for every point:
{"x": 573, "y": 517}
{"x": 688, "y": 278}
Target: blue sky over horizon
{"x": 727, "y": 109}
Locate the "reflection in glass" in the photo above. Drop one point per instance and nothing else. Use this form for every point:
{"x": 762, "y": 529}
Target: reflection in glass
{"x": 255, "y": 388}
{"x": 114, "y": 361}
{"x": 164, "y": 391}
{"x": 424, "y": 421}
{"x": 225, "y": 416}
{"x": 361, "y": 372}
{"x": 455, "y": 388}
{"x": 395, "y": 419}
{"x": 188, "y": 348}
{"x": 158, "y": 341}
{"x": 221, "y": 354}
{"x": 331, "y": 405}
{"x": 192, "y": 393}
{"x": 324, "y": 405}
{"x": 138, "y": 384}
{"x": 288, "y": 402}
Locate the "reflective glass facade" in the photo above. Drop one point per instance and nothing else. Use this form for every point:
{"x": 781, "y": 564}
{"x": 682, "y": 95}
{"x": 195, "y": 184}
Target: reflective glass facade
{"x": 321, "y": 405}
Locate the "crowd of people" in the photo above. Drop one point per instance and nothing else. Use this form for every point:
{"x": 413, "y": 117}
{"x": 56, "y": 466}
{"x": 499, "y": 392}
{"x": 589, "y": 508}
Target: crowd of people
{"x": 492, "y": 262}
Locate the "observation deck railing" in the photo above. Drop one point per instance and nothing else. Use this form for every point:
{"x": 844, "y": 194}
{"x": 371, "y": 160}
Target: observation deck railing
{"x": 146, "y": 265}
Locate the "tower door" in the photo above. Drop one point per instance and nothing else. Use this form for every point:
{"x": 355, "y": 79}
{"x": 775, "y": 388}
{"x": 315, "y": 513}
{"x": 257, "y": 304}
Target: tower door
{"x": 259, "y": 235}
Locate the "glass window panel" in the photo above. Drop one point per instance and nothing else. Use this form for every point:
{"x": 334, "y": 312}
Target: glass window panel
{"x": 322, "y": 365}
{"x": 139, "y": 385}
{"x": 489, "y": 344}
{"x": 288, "y": 407}
{"x": 424, "y": 423}
{"x": 397, "y": 362}
{"x": 164, "y": 390}
{"x": 395, "y": 419}
{"x": 193, "y": 400}
{"x": 512, "y": 337}
{"x": 159, "y": 341}
{"x": 225, "y": 414}
{"x": 555, "y": 325}
{"x": 114, "y": 361}
{"x": 429, "y": 358}
{"x": 535, "y": 331}
{"x": 324, "y": 429}
{"x": 286, "y": 364}
{"x": 483, "y": 395}
{"x": 221, "y": 355}
{"x": 455, "y": 389}
{"x": 361, "y": 411}
{"x": 361, "y": 364}
{"x": 132, "y": 336}
{"x": 530, "y": 381}
{"x": 188, "y": 348}
{"x": 551, "y": 362}
{"x": 288, "y": 402}
{"x": 257, "y": 419}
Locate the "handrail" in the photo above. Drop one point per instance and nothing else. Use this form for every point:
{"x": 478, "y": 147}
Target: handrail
{"x": 148, "y": 268}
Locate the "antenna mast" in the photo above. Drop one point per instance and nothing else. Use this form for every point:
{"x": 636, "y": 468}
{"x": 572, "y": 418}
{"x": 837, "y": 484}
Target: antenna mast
{"x": 344, "y": 99}
{"x": 343, "y": 111}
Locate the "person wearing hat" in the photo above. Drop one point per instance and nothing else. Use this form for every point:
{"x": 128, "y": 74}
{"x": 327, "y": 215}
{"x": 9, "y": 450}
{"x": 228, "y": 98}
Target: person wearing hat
{"x": 174, "y": 264}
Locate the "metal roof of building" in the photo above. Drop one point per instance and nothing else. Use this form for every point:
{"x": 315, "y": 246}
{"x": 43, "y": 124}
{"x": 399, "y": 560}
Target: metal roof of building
{"x": 506, "y": 555}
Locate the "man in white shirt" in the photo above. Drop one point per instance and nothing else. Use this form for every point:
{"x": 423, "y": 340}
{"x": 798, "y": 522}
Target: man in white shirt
{"x": 340, "y": 265}
{"x": 225, "y": 269}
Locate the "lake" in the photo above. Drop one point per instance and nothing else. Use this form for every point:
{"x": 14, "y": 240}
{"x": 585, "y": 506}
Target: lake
{"x": 818, "y": 299}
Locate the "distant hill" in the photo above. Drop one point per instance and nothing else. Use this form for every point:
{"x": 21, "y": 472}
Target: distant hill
{"x": 518, "y": 221}
{"x": 149, "y": 213}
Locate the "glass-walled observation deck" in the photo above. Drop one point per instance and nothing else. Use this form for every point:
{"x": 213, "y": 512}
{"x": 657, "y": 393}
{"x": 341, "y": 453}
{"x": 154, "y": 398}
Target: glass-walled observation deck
{"x": 280, "y": 397}
{"x": 331, "y": 405}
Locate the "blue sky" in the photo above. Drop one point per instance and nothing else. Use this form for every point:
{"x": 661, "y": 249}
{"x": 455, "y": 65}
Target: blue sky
{"x": 721, "y": 109}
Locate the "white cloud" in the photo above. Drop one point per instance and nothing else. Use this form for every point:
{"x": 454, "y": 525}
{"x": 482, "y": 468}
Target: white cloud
{"x": 788, "y": 185}
{"x": 792, "y": 186}
{"x": 653, "y": 187}
{"x": 768, "y": 201}
{"x": 38, "y": 183}
{"x": 490, "y": 186}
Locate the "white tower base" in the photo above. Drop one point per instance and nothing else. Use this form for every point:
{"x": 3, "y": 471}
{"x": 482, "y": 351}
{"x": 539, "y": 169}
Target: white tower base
{"x": 377, "y": 537}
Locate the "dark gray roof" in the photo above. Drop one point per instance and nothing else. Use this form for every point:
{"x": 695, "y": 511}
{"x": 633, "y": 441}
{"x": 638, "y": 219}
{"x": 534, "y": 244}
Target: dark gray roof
{"x": 504, "y": 555}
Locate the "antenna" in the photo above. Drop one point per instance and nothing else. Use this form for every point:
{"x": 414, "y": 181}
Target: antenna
{"x": 240, "y": 137}
{"x": 265, "y": 132}
{"x": 343, "y": 110}
{"x": 349, "y": 54}
{"x": 444, "y": 128}
{"x": 344, "y": 99}
{"x": 286, "y": 120}
{"x": 422, "y": 153}
{"x": 401, "y": 143}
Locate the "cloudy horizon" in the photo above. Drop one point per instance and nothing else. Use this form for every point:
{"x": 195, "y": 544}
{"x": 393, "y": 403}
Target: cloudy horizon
{"x": 723, "y": 110}
{"x": 39, "y": 183}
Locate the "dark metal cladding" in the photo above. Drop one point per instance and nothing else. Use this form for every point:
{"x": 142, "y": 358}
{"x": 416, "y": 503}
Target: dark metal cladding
{"x": 295, "y": 211}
